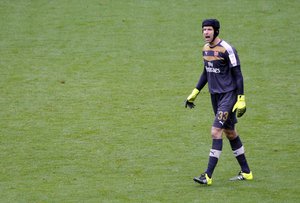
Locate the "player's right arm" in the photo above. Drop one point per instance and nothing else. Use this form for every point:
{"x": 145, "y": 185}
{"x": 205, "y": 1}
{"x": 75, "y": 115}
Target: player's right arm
{"x": 189, "y": 102}
{"x": 202, "y": 81}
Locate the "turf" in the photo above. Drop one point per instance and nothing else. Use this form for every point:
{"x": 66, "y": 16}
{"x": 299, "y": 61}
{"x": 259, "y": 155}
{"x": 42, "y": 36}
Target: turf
{"x": 92, "y": 101}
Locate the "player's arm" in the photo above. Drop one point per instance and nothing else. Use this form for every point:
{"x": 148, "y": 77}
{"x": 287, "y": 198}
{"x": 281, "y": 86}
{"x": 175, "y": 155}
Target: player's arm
{"x": 237, "y": 74}
{"x": 202, "y": 81}
{"x": 240, "y": 105}
{"x": 189, "y": 102}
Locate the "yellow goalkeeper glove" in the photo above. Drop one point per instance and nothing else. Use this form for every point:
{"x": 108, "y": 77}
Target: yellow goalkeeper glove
{"x": 189, "y": 102}
{"x": 240, "y": 106}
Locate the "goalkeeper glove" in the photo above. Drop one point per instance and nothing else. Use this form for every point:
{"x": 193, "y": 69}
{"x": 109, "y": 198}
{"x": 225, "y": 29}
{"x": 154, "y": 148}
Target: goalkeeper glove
{"x": 240, "y": 105}
{"x": 189, "y": 102}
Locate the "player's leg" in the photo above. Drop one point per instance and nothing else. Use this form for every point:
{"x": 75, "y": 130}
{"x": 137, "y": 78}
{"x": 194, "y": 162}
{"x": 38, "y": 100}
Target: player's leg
{"x": 221, "y": 109}
{"x": 239, "y": 152}
{"x": 216, "y": 149}
{"x": 214, "y": 155}
{"x": 234, "y": 139}
{"x": 238, "y": 149}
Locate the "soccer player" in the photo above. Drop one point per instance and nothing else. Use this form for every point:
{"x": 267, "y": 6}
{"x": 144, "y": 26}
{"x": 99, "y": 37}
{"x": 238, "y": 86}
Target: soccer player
{"x": 223, "y": 74}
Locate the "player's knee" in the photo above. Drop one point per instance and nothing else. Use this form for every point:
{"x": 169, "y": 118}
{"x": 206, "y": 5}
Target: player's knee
{"x": 216, "y": 133}
{"x": 230, "y": 134}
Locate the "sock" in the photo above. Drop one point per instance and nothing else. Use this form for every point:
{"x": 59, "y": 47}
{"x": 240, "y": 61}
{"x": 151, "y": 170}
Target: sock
{"x": 214, "y": 156}
{"x": 239, "y": 152}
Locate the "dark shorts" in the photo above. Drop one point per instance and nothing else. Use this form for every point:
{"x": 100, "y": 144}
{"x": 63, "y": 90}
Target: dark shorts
{"x": 222, "y": 105}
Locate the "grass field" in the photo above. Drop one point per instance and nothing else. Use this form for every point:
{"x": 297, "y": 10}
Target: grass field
{"x": 92, "y": 93}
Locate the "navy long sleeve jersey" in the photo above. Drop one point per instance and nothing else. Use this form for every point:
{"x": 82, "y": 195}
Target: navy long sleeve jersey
{"x": 221, "y": 69}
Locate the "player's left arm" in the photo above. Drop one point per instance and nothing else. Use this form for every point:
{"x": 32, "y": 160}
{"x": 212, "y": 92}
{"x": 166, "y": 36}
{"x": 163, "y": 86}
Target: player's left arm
{"x": 237, "y": 74}
{"x": 240, "y": 105}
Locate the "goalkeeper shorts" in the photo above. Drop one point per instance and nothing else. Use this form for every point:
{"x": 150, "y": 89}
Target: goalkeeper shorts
{"x": 222, "y": 104}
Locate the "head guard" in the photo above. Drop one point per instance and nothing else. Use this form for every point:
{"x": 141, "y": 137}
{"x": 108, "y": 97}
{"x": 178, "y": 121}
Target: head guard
{"x": 214, "y": 23}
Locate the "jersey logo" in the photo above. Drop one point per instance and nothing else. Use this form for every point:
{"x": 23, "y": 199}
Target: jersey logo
{"x": 210, "y": 68}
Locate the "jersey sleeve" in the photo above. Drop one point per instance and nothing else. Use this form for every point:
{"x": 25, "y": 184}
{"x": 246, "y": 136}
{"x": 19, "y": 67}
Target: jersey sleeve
{"x": 237, "y": 74}
{"x": 233, "y": 58}
{"x": 202, "y": 80}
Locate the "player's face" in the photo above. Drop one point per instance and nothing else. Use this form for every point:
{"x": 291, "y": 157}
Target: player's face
{"x": 208, "y": 33}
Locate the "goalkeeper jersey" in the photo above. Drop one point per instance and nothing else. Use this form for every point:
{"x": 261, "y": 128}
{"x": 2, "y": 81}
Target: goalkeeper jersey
{"x": 218, "y": 62}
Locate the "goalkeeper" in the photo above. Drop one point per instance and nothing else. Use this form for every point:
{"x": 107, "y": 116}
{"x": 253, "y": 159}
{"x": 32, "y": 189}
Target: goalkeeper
{"x": 223, "y": 74}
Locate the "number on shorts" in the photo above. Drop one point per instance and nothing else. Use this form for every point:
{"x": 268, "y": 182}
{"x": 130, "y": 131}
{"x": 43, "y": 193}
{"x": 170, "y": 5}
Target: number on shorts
{"x": 222, "y": 116}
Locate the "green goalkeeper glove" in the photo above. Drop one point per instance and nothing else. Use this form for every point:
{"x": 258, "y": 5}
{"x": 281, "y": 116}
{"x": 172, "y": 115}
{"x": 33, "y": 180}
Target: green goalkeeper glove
{"x": 240, "y": 106}
{"x": 189, "y": 102}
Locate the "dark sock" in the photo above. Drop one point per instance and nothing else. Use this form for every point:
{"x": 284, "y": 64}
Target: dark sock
{"x": 214, "y": 155}
{"x": 239, "y": 153}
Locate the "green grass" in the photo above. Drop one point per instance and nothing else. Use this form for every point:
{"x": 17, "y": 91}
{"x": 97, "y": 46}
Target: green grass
{"x": 92, "y": 101}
